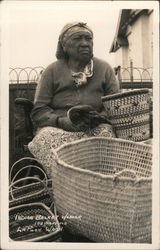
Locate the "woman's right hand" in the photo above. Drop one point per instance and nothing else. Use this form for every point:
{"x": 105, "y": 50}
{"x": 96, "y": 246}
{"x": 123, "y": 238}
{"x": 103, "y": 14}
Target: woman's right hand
{"x": 66, "y": 124}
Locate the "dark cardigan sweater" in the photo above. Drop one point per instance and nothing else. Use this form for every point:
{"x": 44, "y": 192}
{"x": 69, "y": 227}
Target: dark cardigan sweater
{"x": 57, "y": 92}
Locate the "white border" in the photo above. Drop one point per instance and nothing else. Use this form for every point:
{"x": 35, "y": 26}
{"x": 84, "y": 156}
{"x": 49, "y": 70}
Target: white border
{"x": 5, "y": 244}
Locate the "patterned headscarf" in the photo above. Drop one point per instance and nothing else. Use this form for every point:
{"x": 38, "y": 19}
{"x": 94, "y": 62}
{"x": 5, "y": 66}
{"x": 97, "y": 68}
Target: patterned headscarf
{"x": 73, "y": 28}
{"x": 68, "y": 30}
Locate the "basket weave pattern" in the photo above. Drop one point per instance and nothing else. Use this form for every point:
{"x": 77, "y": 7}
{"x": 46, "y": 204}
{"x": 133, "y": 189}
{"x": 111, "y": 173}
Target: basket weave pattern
{"x": 112, "y": 207}
{"x": 34, "y": 192}
{"x": 130, "y": 114}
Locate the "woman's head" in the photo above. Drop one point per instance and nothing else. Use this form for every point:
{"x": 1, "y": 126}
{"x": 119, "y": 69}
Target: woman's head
{"x": 75, "y": 41}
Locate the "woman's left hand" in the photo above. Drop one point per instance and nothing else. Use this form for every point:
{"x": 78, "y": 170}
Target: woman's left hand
{"x": 93, "y": 119}
{"x": 85, "y": 117}
{"x": 82, "y": 126}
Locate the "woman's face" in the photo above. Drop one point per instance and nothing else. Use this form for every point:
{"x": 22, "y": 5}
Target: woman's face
{"x": 79, "y": 46}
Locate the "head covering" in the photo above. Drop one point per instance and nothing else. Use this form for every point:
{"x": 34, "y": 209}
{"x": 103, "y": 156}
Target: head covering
{"x": 68, "y": 30}
{"x": 73, "y": 28}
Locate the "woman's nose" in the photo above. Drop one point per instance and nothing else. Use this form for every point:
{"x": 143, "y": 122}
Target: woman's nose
{"x": 84, "y": 42}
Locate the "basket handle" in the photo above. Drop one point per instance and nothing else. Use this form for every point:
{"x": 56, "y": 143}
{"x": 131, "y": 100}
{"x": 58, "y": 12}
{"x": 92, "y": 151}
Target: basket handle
{"x": 131, "y": 173}
{"x": 53, "y": 206}
{"x": 55, "y": 214}
{"x": 18, "y": 161}
{"x": 24, "y": 179}
{"x": 29, "y": 166}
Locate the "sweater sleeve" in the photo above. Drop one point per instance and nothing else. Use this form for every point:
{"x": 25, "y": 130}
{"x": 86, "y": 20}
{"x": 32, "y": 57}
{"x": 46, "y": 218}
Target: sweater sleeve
{"x": 42, "y": 114}
{"x": 111, "y": 85}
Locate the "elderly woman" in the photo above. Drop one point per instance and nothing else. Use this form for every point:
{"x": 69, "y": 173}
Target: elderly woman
{"x": 76, "y": 79}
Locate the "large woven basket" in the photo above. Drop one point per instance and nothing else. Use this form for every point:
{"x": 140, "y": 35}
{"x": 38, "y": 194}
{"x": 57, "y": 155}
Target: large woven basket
{"x": 104, "y": 187}
{"x": 130, "y": 114}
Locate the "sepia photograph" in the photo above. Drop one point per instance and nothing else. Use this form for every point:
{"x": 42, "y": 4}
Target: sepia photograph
{"x": 79, "y": 125}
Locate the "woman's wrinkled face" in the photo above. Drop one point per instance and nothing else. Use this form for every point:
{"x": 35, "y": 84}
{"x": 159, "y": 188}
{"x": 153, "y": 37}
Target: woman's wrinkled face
{"x": 79, "y": 46}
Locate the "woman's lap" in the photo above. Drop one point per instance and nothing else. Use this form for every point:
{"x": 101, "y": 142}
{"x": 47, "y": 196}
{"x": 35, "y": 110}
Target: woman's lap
{"x": 49, "y": 138}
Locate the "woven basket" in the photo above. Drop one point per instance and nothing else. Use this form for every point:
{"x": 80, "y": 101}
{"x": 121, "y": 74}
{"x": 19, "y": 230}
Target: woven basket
{"x": 33, "y": 222}
{"x": 26, "y": 188}
{"x": 130, "y": 114}
{"x": 101, "y": 204}
{"x": 26, "y": 166}
{"x": 35, "y": 191}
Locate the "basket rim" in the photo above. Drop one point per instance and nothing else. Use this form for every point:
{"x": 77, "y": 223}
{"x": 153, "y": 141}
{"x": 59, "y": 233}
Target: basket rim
{"x": 124, "y": 94}
{"x": 92, "y": 173}
{"x": 104, "y": 139}
{"x": 31, "y": 205}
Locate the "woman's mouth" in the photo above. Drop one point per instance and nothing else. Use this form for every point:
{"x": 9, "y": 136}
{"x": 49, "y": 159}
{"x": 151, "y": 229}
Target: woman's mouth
{"x": 84, "y": 51}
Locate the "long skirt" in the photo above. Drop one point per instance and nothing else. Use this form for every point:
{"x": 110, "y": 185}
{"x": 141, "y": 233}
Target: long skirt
{"x": 49, "y": 138}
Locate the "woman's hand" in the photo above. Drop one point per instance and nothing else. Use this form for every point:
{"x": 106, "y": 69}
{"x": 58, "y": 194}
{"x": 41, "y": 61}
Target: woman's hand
{"x": 66, "y": 124}
{"x": 93, "y": 119}
{"x": 88, "y": 121}
{"x": 85, "y": 117}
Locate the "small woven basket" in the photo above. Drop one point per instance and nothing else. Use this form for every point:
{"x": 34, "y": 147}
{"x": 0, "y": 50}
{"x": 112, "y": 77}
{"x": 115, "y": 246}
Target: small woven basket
{"x": 33, "y": 222}
{"x": 130, "y": 114}
{"x": 104, "y": 187}
{"x": 37, "y": 191}
{"x": 28, "y": 188}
